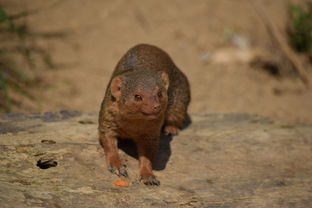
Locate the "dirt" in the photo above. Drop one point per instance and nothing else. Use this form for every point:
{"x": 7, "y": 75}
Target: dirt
{"x": 213, "y": 42}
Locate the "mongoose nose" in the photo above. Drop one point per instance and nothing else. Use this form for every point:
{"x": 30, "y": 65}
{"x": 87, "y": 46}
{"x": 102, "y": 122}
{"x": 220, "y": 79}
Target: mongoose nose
{"x": 156, "y": 107}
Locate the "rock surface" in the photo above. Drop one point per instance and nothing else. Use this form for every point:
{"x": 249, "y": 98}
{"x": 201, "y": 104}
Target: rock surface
{"x": 230, "y": 160}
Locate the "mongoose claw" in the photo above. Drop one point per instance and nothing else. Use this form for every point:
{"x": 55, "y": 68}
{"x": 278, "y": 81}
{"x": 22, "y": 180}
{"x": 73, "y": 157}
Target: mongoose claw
{"x": 150, "y": 181}
{"x": 122, "y": 171}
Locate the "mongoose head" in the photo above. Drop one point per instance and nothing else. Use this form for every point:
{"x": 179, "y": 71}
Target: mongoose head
{"x": 141, "y": 94}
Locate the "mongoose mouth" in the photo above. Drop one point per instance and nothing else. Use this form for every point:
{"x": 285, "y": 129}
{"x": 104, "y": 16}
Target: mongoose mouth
{"x": 151, "y": 115}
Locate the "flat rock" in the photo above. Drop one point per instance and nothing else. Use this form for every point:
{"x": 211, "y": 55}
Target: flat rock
{"x": 219, "y": 160}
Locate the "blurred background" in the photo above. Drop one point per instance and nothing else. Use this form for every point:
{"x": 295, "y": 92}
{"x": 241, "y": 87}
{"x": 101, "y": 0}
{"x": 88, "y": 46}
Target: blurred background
{"x": 246, "y": 56}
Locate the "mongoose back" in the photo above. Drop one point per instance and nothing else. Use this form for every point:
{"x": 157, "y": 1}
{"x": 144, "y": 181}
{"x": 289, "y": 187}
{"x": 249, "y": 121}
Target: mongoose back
{"x": 147, "y": 93}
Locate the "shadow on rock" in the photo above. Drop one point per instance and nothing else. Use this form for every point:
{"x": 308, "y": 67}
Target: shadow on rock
{"x": 187, "y": 122}
{"x": 129, "y": 147}
{"x": 164, "y": 152}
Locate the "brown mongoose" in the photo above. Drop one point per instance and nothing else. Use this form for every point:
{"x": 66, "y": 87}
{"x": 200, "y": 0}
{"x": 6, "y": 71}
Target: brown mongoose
{"x": 147, "y": 93}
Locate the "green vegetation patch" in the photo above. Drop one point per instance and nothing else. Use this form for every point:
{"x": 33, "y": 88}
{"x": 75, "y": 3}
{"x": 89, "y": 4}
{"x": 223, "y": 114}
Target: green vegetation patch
{"x": 300, "y": 31}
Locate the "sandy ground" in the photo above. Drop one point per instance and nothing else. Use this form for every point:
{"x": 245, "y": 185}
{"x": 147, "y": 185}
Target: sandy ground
{"x": 211, "y": 41}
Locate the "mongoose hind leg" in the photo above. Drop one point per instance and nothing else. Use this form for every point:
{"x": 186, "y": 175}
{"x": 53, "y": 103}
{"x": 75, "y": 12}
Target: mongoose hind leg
{"x": 179, "y": 99}
{"x": 171, "y": 129}
{"x": 174, "y": 120}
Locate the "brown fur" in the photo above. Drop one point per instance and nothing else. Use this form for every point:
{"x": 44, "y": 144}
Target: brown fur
{"x": 147, "y": 92}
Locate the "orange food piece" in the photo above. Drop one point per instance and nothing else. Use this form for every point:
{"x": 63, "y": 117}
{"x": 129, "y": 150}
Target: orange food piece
{"x": 121, "y": 183}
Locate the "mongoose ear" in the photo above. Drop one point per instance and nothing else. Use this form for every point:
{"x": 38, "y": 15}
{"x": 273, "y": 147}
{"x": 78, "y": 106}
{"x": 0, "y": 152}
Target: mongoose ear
{"x": 165, "y": 79}
{"x": 116, "y": 87}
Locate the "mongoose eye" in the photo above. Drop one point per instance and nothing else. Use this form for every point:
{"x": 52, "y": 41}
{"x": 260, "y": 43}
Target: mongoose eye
{"x": 159, "y": 94}
{"x": 137, "y": 97}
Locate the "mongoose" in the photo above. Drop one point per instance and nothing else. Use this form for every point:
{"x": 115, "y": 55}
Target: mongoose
{"x": 147, "y": 93}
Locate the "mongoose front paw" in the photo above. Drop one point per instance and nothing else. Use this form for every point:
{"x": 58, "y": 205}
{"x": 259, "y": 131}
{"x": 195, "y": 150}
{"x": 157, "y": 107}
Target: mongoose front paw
{"x": 150, "y": 181}
{"x": 122, "y": 171}
{"x": 170, "y": 129}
